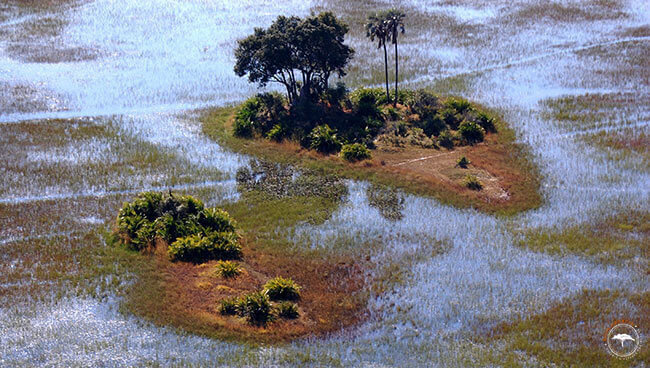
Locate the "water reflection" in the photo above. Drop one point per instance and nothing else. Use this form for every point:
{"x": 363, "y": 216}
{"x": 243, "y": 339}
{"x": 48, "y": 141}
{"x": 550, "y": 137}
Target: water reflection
{"x": 389, "y": 201}
{"x": 282, "y": 181}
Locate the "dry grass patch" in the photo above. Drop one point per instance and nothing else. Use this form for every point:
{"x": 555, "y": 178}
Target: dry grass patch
{"x": 188, "y": 296}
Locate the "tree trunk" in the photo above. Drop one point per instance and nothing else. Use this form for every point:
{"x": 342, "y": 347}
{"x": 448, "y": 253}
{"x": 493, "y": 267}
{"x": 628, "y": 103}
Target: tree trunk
{"x": 396, "y": 74}
{"x": 386, "y": 69}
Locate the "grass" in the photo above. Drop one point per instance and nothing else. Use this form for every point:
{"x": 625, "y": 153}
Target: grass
{"x": 619, "y": 237}
{"x": 570, "y": 333}
{"x": 216, "y": 124}
{"x": 75, "y": 155}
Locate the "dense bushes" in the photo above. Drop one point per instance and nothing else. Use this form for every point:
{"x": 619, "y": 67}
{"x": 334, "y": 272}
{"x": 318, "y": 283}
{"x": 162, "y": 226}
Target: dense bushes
{"x": 338, "y": 117}
{"x": 355, "y": 152}
{"x": 199, "y": 248}
{"x": 195, "y": 233}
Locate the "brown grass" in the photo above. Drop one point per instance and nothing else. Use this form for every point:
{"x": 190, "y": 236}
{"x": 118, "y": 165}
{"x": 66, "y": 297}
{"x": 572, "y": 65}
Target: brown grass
{"x": 187, "y": 296}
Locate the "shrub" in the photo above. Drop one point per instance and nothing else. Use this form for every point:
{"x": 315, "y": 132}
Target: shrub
{"x": 245, "y": 117}
{"x": 277, "y": 133}
{"x": 355, "y": 152}
{"x": 450, "y": 117}
{"x": 229, "y": 306}
{"x": 228, "y": 269}
{"x": 424, "y": 103}
{"x": 472, "y": 182}
{"x": 216, "y": 220}
{"x": 485, "y": 121}
{"x": 417, "y": 137}
{"x": 376, "y": 95}
{"x": 432, "y": 125}
{"x": 324, "y": 140}
{"x": 288, "y": 310}
{"x": 392, "y": 114}
{"x": 256, "y": 307}
{"x": 259, "y": 114}
{"x": 335, "y": 96}
{"x": 446, "y": 140}
{"x": 471, "y": 132}
{"x": 460, "y": 105}
{"x": 463, "y": 162}
{"x": 200, "y": 248}
{"x": 279, "y": 288}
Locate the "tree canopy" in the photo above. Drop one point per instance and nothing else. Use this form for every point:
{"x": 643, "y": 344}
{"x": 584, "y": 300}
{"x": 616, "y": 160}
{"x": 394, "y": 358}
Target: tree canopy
{"x": 300, "y": 54}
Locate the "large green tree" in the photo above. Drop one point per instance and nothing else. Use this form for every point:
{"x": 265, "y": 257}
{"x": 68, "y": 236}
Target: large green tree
{"x": 300, "y": 54}
{"x": 394, "y": 20}
{"x": 376, "y": 28}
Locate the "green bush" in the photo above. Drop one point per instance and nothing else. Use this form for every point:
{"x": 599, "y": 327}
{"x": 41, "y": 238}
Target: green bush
{"x": 451, "y": 117}
{"x": 393, "y": 114}
{"x": 445, "y": 139}
{"x": 216, "y": 220}
{"x": 376, "y": 96}
{"x": 229, "y": 306}
{"x": 288, "y": 310}
{"x": 279, "y": 288}
{"x": 485, "y": 121}
{"x": 324, "y": 140}
{"x": 228, "y": 269}
{"x": 259, "y": 114}
{"x": 277, "y": 133}
{"x": 355, "y": 152}
{"x": 335, "y": 96}
{"x": 245, "y": 118}
{"x": 472, "y": 182}
{"x": 460, "y": 105}
{"x": 200, "y": 248}
{"x": 424, "y": 103}
{"x": 432, "y": 125}
{"x": 256, "y": 307}
{"x": 471, "y": 132}
{"x": 463, "y": 162}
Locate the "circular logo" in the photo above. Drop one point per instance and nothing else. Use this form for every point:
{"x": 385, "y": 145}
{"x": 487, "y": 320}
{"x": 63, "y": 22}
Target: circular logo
{"x": 623, "y": 340}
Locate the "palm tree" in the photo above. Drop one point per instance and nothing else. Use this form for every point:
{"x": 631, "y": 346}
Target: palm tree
{"x": 394, "y": 21}
{"x": 376, "y": 28}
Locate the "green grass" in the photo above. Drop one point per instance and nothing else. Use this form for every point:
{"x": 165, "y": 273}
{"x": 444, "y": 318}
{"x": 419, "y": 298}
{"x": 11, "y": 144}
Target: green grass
{"x": 614, "y": 239}
{"x": 570, "y": 333}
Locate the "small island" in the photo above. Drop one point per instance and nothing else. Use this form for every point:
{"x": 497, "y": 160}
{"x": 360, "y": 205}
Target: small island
{"x": 447, "y": 147}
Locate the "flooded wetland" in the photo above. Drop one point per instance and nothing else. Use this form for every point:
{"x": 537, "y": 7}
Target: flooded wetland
{"x": 102, "y": 100}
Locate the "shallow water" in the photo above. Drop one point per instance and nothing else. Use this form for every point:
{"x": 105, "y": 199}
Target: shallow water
{"x": 156, "y": 61}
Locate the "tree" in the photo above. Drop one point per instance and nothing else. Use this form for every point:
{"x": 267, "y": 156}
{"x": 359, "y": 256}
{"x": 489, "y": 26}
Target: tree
{"x": 292, "y": 48}
{"x": 376, "y": 28}
{"x": 395, "y": 25}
